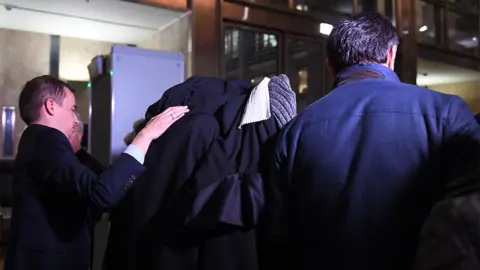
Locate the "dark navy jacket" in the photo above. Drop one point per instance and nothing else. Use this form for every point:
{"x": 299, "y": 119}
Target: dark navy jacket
{"x": 357, "y": 173}
{"x": 53, "y": 196}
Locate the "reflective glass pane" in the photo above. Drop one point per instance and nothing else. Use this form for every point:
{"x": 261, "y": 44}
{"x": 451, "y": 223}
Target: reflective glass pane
{"x": 426, "y": 15}
{"x": 384, "y": 7}
{"x": 465, "y": 5}
{"x": 306, "y": 69}
{"x": 463, "y": 32}
{"x": 379, "y": 6}
{"x": 250, "y": 55}
{"x": 338, "y": 6}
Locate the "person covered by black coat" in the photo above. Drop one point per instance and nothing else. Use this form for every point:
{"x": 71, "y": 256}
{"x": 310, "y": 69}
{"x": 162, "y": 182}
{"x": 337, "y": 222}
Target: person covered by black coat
{"x": 52, "y": 191}
{"x": 203, "y": 177}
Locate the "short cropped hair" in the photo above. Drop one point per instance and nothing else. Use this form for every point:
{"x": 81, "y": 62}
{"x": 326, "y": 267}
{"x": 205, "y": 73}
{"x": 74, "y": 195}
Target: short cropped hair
{"x": 364, "y": 38}
{"x": 36, "y": 92}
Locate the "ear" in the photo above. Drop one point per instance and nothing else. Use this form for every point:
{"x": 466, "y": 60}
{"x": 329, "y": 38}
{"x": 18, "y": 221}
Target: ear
{"x": 50, "y": 106}
{"x": 392, "y": 54}
{"x": 330, "y": 67}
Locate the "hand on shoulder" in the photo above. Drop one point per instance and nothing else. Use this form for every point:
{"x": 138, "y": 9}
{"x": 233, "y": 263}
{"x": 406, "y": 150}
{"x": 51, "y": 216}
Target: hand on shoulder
{"x": 158, "y": 125}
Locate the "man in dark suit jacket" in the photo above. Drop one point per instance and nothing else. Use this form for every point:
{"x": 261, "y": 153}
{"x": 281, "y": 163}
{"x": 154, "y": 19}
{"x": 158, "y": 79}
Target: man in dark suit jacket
{"x": 357, "y": 172}
{"x": 53, "y": 191}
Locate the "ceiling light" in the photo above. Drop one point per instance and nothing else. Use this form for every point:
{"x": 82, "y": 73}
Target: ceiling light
{"x": 325, "y": 28}
{"x": 474, "y": 39}
{"x": 423, "y": 28}
{"x": 301, "y": 7}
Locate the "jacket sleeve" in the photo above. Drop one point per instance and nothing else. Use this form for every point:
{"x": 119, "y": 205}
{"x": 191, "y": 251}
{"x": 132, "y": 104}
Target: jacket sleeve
{"x": 58, "y": 172}
{"x": 90, "y": 162}
{"x": 461, "y": 151}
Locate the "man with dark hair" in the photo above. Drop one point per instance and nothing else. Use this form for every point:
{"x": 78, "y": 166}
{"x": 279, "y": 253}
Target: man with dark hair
{"x": 76, "y": 138}
{"x": 85, "y": 158}
{"x": 368, "y": 38}
{"x": 54, "y": 193}
{"x": 33, "y": 98}
{"x": 357, "y": 172}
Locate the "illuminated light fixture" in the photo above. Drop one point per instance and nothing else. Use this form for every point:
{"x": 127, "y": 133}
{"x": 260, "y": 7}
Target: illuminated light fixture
{"x": 423, "y": 28}
{"x": 474, "y": 38}
{"x": 325, "y": 28}
{"x": 301, "y": 7}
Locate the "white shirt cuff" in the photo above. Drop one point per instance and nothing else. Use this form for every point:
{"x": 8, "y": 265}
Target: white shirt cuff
{"x": 136, "y": 153}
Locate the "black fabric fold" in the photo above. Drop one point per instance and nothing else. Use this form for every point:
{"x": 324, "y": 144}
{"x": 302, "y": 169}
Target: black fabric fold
{"x": 197, "y": 204}
{"x": 236, "y": 200}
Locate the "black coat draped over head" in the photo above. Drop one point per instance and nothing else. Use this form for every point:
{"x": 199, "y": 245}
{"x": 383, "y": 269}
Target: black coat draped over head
{"x": 197, "y": 204}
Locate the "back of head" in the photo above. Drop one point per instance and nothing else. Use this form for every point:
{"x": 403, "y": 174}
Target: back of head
{"x": 364, "y": 38}
{"x": 36, "y": 92}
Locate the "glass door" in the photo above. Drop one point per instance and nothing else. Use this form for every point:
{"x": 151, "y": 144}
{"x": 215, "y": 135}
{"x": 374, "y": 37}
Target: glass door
{"x": 250, "y": 53}
{"x": 254, "y": 53}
